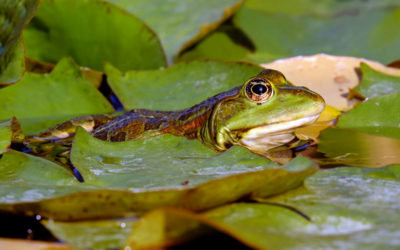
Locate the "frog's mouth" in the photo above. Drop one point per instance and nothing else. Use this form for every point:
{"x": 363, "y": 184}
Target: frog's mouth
{"x": 265, "y": 137}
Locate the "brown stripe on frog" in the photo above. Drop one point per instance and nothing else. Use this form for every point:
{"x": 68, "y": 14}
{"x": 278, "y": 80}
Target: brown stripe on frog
{"x": 143, "y": 123}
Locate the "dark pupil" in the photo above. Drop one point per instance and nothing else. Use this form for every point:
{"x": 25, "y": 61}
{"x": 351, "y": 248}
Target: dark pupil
{"x": 259, "y": 89}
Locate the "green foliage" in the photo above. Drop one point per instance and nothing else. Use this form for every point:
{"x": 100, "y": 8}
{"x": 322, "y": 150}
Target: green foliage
{"x": 13, "y": 16}
{"x": 377, "y": 116}
{"x": 92, "y": 32}
{"x": 375, "y": 83}
{"x": 345, "y": 207}
{"x": 180, "y": 24}
{"x": 40, "y": 101}
{"x": 177, "y": 87}
{"x": 284, "y": 28}
{"x": 132, "y": 42}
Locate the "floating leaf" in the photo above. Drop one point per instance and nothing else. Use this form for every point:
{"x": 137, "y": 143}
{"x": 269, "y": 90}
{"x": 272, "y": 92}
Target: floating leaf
{"x": 377, "y": 116}
{"x": 354, "y": 30}
{"x": 41, "y": 101}
{"x": 10, "y": 131}
{"x": 90, "y": 75}
{"x": 5, "y": 136}
{"x": 19, "y": 167}
{"x": 13, "y": 16}
{"x": 356, "y": 148}
{"x": 217, "y": 46}
{"x": 345, "y": 207}
{"x": 354, "y": 207}
{"x": 180, "y": 24}
{"x": 91, "y": 32}
{"x": 136, "y": 176}
{"x": 375, "y": 83}
{"x": 100, "y": 234}
{"x": 179, "y": 86}
{"x": 283, "y": 28}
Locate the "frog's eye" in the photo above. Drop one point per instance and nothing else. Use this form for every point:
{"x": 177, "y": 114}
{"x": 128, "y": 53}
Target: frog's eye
{"x": 258, "y": 90}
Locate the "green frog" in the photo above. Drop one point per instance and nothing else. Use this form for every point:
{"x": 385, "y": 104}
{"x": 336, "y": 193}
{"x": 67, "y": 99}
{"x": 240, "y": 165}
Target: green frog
{"x": 260, "y": 115}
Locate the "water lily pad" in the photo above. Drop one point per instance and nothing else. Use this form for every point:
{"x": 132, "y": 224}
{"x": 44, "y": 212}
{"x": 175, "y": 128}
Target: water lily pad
{"x": 351, "y": 207}
{"x": 179, "y": 86}
{"x": 375, "y": 83}
{"x": 13, "y": 16}
{"x": 18, "y": 167}
{"x": 286, "y": 28}
{"x": 10, "y": 131}
{"x": 90, "y": 75}
{"x": 217, "y": 46}
{"x": 5, "y": 136}
{"x": 377, "y": 116}
{"x": 41, "y": 101}
{"x": 136, "y": 176}
{"x": 368, "y": 135}
{"x": 101, "y": 234}
{"x": 91, "y": 32}
{"x": 356, "y": 148}
{"x": 179, "y": 24}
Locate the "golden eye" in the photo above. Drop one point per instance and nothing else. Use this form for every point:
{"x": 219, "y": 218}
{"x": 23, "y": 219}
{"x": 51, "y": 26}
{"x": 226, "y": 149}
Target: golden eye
{"x": 258, "y": 90}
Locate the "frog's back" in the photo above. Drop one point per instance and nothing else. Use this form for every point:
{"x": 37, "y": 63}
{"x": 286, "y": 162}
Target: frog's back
{"x": 143, "y": 123}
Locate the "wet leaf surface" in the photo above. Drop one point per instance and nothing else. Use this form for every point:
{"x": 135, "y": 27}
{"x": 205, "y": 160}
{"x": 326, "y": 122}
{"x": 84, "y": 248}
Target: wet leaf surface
{"x": 180, "y": 24}
{"x": 356, "y": 148}
{"x": 180, "y": 86}
{"x": 368, "y": 135}
{"x": 13, "y": 16}
{"x": 216, "y": 46}
{"x": 41, "y": 101}
{"x": 375, "y": 83}
{"x": 156, "y": 172}
{"x": 92, "y": 32}
{"x": 377, "y": 116}
{"x": 282, "y": 29}
{"x": 34, "y": 66}
{"x": 345, "y": 206}
{"x": 5, "y": 136}
{"x": 105, "y": 234}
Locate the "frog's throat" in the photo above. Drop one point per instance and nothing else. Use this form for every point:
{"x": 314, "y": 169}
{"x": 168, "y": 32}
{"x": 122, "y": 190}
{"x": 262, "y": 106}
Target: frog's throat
{"x": 263, "y": 138}
{"x": 259, "y": 139}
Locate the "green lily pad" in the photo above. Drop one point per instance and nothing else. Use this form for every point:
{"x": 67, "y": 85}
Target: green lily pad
{"x": 13, "y": 16}
{"x": 368, "y": 135}
{"x": 136, "y": 176}
{"x": 154, "y": 165}
{"x": 377, "y": 116}
{"x": 217, "y": 46}
{"x": 10, "y": 131}
{"x": 101, "y": 234}
{"x": 180, "y": 24}
{"x": 5, "y": 136}
{"x": 91, "y": 32}
{"x": 353, "y": 208}
{"x": 356, "y": 148}
{"x": 179, "y": 86}
{"x": 374, "y": 83}
{"x": 42, "y": 101}
{"x": 260, "y": 226}
{"x": 19, "y": 167}
{"x": 285, "y": 28}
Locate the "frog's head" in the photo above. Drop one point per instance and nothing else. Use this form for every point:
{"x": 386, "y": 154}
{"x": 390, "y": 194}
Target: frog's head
{"x": 263, "y": 114}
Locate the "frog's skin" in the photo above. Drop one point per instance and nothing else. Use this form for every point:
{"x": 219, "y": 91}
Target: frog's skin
{"x": 260, "y": 115}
